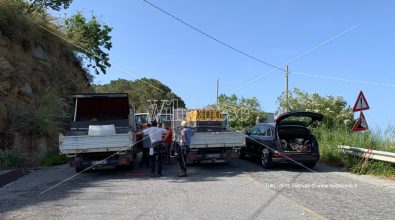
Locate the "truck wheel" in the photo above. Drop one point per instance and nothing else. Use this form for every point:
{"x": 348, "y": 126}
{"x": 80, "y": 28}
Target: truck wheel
{"x": 266, "y": 158}
{"x": 242, "y": 155}
{"x": 79, "y": 169}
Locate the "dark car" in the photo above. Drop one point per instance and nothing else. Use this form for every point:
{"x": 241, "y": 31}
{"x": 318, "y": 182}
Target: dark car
{"x": 288, "y": 140}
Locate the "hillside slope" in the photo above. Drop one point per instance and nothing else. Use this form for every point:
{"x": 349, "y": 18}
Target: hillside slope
{"x": 38, "y": 73}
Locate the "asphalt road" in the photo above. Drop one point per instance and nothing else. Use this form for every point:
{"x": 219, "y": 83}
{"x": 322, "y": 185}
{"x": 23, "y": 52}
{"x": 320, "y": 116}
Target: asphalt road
{"x": 240, "y": 190}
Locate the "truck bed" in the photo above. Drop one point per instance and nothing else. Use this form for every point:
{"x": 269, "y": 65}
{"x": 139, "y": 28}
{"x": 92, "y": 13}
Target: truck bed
{"x": 217, "y": 139}
{"x": 90, "y": 143}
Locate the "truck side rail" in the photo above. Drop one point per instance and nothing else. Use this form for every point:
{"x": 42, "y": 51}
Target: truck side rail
{"x": 217, "y": 139}
{"x": 89, "y": 143}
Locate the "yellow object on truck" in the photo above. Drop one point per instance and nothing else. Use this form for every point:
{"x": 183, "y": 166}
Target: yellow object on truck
{"x": 204, "y": 115}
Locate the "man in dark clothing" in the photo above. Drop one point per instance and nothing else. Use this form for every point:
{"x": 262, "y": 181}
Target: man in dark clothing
{"x": 167, "y": 140}
{"x": 144, "y": 158}
{"x": 183, "y": 148}
{"x": 156, "y": 150}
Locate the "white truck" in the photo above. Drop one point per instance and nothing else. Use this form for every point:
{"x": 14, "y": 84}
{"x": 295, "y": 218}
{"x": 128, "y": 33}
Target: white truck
{"x": 212, "y": 141}
{"x": 99, "y": 135}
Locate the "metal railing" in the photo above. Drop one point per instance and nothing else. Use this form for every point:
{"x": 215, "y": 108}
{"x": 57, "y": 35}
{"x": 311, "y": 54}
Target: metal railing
{"x": 368, "y": 153}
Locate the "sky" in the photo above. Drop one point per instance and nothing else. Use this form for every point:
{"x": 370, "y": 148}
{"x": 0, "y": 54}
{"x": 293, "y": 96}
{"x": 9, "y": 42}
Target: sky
{"x": 333, "y": 48}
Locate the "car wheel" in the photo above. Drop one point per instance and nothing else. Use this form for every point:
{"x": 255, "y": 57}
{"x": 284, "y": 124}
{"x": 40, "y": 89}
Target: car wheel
{"x": 266, "y": 158}
{"x": 310, "y": 164}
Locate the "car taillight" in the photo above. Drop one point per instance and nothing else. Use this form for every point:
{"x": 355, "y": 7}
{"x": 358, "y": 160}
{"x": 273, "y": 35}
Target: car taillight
{"x": 276, "y": 155}
{"x": 281, "y": 155}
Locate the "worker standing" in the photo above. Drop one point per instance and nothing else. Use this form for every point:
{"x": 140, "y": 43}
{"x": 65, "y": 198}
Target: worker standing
{"x": 183, "y": 148}
{"x": 167, "y": 140}
{"x": 156, "y": 151}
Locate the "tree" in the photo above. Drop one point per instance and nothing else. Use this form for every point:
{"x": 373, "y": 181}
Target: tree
{"x": 93, "y": 39}
{"x": 143, "y": 92}
{"x": 243, "y": 112}
{"x": 337, "y": 114}
{"x": 41, "y": 5}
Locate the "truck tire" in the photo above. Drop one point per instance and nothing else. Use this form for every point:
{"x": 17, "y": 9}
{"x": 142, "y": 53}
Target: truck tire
{"x": 242, "y": 155}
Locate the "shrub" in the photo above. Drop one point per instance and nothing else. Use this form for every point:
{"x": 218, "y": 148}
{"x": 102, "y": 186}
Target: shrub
{"x": 8, "y": 160}
{"x": 330, "y": 139}
{"x": 54, "y": 159}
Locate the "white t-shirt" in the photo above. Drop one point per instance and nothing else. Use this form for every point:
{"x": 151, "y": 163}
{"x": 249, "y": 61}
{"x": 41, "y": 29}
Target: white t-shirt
{"x": 155, "y": 133}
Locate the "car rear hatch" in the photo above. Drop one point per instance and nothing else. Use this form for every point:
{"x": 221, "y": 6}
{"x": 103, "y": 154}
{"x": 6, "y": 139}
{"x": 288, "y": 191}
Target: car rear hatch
{"x": 298, "y": 118}
{"x": 295, "y": 138}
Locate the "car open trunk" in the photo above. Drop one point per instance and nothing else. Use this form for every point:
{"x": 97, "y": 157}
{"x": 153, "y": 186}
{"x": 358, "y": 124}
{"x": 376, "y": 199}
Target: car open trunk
{"x": 296, "y": 139}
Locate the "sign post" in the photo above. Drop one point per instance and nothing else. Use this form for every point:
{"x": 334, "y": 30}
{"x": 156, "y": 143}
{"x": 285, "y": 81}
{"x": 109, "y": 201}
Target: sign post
{"x": 360, "y": 105}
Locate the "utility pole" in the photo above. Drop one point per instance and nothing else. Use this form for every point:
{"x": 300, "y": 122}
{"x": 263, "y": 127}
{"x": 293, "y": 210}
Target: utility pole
{"x": 286, "y": 89}
{"x": 217, "y": 91}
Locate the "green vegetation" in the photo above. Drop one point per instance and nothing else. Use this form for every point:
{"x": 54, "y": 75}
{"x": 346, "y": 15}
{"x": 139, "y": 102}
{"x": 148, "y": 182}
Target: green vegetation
{"x": 335, "y": 130}
{"x": 330, "y": 139}
{"x": 47, "y": 120}
{"x": 54, "y": 159}
{"x": 335, "y": 110}
{"x": 9, "y": 161}
{"x": 41, "y": 5}
{"x": 92, "y": 39}
{"x": 29, "y": 22}
{"x": 140, "y": 91}
{"x": 243, "y": 112}
{"x": 44, "y": 69}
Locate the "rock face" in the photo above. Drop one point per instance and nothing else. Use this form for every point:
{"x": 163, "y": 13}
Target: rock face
{"x": 40, "y": 54}
{"x": 30, "y": 79}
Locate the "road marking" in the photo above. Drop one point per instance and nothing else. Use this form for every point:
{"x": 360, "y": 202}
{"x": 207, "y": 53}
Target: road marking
{"x": 260, "y": 184}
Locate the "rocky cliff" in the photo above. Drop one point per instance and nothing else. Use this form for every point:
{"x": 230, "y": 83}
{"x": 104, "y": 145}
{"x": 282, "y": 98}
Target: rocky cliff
{"x": 37, "y": 77}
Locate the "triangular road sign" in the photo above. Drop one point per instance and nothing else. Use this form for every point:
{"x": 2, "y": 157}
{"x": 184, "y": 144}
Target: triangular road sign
{"x": 361, "y": 103}
{"x": 361, "y": 124}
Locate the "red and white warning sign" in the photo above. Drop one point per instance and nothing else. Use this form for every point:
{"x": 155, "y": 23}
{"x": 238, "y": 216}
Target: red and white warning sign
{"x": 361, "y": 103}
{"x": 361, "y": 124}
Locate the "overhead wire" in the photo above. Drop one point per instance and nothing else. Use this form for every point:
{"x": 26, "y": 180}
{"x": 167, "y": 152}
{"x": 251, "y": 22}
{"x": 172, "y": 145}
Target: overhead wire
{"x": 213, "y": 38}
{"x": 344, "y": 80}
{"x": 89, "y": 52}
{"x": 265, "y": 62}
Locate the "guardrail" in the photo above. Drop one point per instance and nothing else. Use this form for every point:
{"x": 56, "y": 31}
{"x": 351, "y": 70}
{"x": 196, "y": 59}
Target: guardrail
{"x": 368, "y": 153}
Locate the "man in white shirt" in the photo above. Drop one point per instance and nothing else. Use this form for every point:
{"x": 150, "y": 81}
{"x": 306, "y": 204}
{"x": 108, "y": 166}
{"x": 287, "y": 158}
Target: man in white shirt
{"x": 157, "y": 148}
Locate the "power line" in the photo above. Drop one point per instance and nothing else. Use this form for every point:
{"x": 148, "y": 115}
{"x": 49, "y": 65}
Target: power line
{"x": 297, "y": 57}
{"x": 87, "y": 51}
{"x": 344, "y": 80}
{"x": 213, "y": 38}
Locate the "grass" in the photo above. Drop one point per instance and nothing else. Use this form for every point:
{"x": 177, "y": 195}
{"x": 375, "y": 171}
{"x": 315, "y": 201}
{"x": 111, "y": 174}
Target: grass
{"x": 9, "y": 161}
{"x": 330, "y": 139}
{"x": 54, "y": 159}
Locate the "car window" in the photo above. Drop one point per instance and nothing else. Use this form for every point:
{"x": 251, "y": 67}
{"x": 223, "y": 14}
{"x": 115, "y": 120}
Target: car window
{"x": 265, "y": 131}
{"x": 269, "y": 132}
{"x": 254, "y": 131}
{"x": 262, "y": 131}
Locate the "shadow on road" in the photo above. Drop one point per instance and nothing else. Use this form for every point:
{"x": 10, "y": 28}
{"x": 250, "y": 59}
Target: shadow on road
{"x": 294, "y": 167}
{"x": 25, "y": 192}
